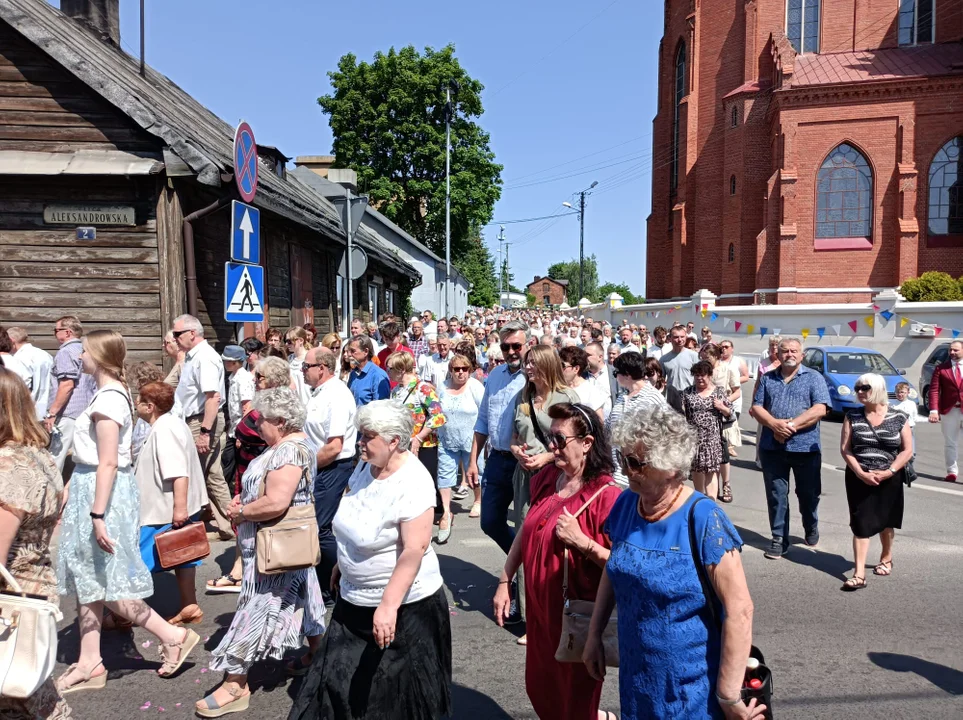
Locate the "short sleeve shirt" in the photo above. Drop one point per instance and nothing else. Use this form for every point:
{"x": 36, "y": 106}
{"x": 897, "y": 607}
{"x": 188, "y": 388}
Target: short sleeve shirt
{"x": 240, "y": 392}
{"x": 331, "y": 413}
{"x": 203, "y": 372}
{"x": 112, "y": 402}
{"x": 67, "y": 366}
{"x": 677, "y": 367}
{"x": 786, "y": 400}
{"x": 168, "y": 454}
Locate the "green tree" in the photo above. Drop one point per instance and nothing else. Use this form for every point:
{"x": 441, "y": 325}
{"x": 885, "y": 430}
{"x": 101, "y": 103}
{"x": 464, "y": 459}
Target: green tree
{"x": 932, "y": 287}
{"x": 570, "y": 271}
{"x": 530, "y": 299}
{"x": 507, "y": 277}
{"x": 477, "y": 265}
{"x": 628, "y": 297}
{"x": 388, "y": 122}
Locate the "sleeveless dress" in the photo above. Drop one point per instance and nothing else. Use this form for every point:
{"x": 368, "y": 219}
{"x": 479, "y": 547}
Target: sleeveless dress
{"x": 874, "y": 508}
{"x": 274, "y": 612}
{"x": 703, "y": 416}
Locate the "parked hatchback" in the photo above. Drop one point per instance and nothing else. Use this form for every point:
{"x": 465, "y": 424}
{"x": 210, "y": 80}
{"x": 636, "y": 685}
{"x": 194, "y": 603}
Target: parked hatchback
{"x": 940, "y": 355}
{"x": 840, "y": 366}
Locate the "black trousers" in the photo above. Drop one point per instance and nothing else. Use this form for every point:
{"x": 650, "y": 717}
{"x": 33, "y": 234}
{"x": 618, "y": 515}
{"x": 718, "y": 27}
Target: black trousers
{"x": 329, "y": 486}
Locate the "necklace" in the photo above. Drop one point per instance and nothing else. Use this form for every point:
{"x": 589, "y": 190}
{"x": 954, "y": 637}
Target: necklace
{"x": 659, "y": 515}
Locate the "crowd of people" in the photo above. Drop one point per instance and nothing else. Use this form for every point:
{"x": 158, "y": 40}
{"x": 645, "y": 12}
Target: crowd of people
{"x": 586, "y": 432}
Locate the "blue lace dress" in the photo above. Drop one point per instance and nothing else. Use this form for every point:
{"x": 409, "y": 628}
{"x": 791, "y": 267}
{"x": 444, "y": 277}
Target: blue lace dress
{"x": 669, "y": 658}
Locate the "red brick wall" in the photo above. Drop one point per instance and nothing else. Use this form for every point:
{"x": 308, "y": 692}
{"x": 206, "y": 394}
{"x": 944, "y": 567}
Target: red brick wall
{"x": 555, "y": 291}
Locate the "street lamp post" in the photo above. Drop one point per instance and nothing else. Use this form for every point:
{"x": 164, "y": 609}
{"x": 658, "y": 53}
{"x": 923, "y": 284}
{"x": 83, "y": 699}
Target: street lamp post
{"x": 581, "y": 237}
{"x": 449, "y": 113}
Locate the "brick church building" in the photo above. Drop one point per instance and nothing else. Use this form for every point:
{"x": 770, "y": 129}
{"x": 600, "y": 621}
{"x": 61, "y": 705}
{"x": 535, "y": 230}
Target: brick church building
{"x": 806, "y": 150}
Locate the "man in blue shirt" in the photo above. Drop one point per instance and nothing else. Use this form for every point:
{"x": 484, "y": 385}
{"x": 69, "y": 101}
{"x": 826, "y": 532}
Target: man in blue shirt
{"x": 789, "y": 403}
{"x": 367, "y": 381}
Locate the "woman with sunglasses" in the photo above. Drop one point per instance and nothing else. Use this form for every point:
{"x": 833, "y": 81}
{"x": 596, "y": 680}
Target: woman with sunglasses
{"x": 555, "y": 532}
{"x": 461, "y": 396}
{"x": 673, "y": 661}
{"x": 297, "y": 344}
{"x": 876, "y": 443}
{"x": 174, "y": 352}
{"x": 629, "y": 371}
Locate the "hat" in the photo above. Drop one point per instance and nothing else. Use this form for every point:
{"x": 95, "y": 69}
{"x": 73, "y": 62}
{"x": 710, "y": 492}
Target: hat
{"x": 234, "y": 353}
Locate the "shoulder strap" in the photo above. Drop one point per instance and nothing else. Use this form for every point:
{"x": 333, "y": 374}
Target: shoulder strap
{"x": 565, "y": 553}
{"x": 126, "y": 397}
{"x": 707, "y": 589}
{"x": 535, "y": 425}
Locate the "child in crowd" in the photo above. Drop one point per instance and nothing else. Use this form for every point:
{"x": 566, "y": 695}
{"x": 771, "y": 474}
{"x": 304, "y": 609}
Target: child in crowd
{"x": 905, "y": 405}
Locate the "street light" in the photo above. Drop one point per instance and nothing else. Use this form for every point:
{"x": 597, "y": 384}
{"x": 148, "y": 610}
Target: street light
{"x": 581, "y": 236}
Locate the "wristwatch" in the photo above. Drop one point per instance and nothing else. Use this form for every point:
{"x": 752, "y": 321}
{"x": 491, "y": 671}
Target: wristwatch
{"x": 892, "y": 470}
{"x": 205, "y": 431}
{"x": 240, "y": 512}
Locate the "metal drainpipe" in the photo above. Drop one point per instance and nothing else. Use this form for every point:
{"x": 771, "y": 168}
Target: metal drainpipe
{"x": 190, "y": 267}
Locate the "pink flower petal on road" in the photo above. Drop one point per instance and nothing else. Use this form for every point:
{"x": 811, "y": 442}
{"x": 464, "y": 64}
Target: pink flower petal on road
{"x": 203, "y": 670}
{"x": 207, "y": 638}
{"x": 145, "y": 644}
{"x": 177, "y": 704}
{"x": 145, "y": 706}
{"x": 197, "y": 682}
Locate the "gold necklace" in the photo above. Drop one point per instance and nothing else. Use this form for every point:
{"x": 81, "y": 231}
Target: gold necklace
{"x": 659, "y": 515}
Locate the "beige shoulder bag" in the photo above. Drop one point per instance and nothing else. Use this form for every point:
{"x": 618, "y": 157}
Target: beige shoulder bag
{"x": 289, "y": 542}
{"x": 28, "y": 640}
{"x": 577, "y": 615}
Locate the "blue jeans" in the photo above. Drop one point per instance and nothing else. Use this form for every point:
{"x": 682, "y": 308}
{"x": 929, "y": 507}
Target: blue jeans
{"x": 806, "y": 467}
{"x": 329, "y": 485}
{"x": 498, "y": 492}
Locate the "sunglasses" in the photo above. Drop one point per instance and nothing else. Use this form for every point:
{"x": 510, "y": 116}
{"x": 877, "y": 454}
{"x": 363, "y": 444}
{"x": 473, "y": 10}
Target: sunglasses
{"x": 306, "y": 366}
{"x": 178, "y": 333}
{"x": 258, "y": 377}
{"x": 560, "y": 441}
{"x": 460, "y": 369}
{"x": 863, "y": 388}
{"x": 629, "y": 462}
{"x": 511, "y": 347}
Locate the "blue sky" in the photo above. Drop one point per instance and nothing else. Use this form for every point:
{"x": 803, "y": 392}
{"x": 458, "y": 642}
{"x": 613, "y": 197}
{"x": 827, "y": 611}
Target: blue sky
{"x": 563, "y": 80}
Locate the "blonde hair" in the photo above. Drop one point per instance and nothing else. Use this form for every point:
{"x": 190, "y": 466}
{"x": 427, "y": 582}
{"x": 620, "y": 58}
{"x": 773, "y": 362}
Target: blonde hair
{"x": 546, "y": 361}
{"x": 108, "y": 349}
{"x": 18, "y": 417}
{"x": 400, "y": 362}
{"x": 878, "y": 394}
{"x": 330, "y": 339}
{"x": 299, "y": 332}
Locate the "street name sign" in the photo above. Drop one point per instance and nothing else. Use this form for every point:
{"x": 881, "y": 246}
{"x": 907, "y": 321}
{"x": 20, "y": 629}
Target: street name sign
{"x": 245, "y": 233}
{"x": 243, "y": 293}
{"x": 245, "y": 162}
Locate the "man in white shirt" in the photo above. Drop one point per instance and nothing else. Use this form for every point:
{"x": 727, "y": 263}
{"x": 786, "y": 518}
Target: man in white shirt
{"x": 658, "y": 347}
{"x": 331, "y": 430}
{"x": 428, "y": 321}
{"x": 38, "y": 363}
{"x": 600, "y": 375}
{"x": 434, "y": 368}
{"x": 240, "y": 393}
{"x": 198, "y": 401}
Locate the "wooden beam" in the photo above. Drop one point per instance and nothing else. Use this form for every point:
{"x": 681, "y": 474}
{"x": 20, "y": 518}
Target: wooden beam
{"x": 170, "y": 253}
{"x": 79, "y": 254}
{"x": 51, "y": 285}
{"x": 76, "y": 299}
{"x": 101, "y": 314}
{"x": 68, "y": 238}
{"x": 86, "y": 271}
{"x": 128, "y": 330}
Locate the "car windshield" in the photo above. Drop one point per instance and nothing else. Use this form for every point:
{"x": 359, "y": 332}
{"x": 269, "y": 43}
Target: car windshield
{"x": 857, "y": 363}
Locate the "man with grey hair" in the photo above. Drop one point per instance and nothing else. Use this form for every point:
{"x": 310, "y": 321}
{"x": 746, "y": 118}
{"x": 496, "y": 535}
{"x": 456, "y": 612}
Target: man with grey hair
{"x": 70, "y": 388}
{"x": 495, "y": 424}
{"x": 199, "y": 399}
{"x": 38, "y": 364}
{"x": 788, "y": 403}
{"x": 367, "y": 381}
{"x": 331, "y": 430}
{"x": 434, "y": 368}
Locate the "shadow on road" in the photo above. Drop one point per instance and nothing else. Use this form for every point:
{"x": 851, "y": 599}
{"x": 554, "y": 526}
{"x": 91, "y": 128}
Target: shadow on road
{"x": 833, "y": 565}
{"x": 947, "y": 679}
{"x": 469, "y": 704}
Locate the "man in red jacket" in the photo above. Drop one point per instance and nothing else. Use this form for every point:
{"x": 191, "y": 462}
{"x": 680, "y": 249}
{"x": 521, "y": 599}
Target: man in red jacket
{"x": 946, "y": 389}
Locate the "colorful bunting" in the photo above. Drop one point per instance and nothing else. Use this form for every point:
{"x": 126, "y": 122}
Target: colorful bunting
{"x": 749, "y": 329}
{"x": 777, "y": 331}
{"x": 836, "y": 329}
{"x": 876, "y": 308}
{"x": 956, "y": 334}
{"x": 763, "y": 331}
{"x": 738, "y": 325}
{"x": 937, "y": 330}
{"x": 870, "y": 320}
{"x": 853, "y": 324}
{"x": 657, "y": 314}
{"x": 888, "y": 315}
{"x": 821, "y": 331}
{"x": 704, "y": 311}
{"x": 903, "y": 321}
{"x": 725, "y": 322}
{"x": 805, "y": 333}
{"x": 714, "y": 317}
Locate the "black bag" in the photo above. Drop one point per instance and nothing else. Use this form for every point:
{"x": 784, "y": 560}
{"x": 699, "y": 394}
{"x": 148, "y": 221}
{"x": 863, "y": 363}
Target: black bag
{"x": 764, "y": 694}
{"x": 909, "y": 474}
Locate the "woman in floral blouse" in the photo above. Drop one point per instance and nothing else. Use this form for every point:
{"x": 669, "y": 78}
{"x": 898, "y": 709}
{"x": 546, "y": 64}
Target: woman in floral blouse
{"x": 422, "y": 400}
{"x": 31, "y": 491}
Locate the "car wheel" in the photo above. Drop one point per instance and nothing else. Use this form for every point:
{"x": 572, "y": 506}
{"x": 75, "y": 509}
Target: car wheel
{"x": 924, "y": 400}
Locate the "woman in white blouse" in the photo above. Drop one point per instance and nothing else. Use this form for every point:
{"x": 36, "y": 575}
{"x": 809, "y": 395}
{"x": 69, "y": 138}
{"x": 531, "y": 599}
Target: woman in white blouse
{"x": 387, "y": 652}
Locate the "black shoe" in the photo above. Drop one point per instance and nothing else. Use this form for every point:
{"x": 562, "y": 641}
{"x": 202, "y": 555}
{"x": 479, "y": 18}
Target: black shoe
{"x": 812, "y": 538}
{"x": 775, "y": 551}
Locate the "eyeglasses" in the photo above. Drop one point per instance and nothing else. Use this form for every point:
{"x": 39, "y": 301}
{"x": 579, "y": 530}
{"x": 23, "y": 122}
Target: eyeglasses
{"x": 59, "y": 330}
{"x": 178, "y": 333}
{"x": 628, "y": 462}
{"x": 306, "y": 366}
{"x": 460, "y": 369}
{"x": 862, "y": 388}
{"x": 288, "y": 340}
{"x": 560, "y": 441}
{"x": 258, "y": 377}
{"x": 511, "y": 347}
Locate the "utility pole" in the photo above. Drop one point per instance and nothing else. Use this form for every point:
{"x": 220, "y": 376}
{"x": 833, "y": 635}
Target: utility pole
{"x": 501, "y": 239}
{"x": 508, "y": 271}
{"x": 581, "y": 244}
{"x": 449, "y": 113}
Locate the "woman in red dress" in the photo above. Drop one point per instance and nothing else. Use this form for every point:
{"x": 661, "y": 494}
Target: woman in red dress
{"x": 582, "y": 471}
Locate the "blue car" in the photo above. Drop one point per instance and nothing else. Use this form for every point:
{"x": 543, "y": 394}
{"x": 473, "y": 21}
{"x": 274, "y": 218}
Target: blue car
{"x": 840, "y": 366}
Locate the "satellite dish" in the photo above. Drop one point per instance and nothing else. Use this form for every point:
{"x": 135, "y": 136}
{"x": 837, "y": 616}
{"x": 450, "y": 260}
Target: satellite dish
{"x": 359, "y": 263}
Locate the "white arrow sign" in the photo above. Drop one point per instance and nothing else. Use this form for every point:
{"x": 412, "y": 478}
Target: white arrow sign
{"x": 246, "y": 228}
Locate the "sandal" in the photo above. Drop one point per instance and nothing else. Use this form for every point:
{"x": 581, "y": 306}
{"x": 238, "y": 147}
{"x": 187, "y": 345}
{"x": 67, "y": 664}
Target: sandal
{"x": 209, "y": 708}
{"x": 475, "y": 510}
{"x": 726, "y": 494}
{"x": 89, "y": 681}
{"x": 853, "y": 584}
{"x": 184, "y": 647}
{"x": 884, "y": 568}
{"x": 300, "y": 665}
{"x": 224, "y": 584}
{"x": 187, "y": 619}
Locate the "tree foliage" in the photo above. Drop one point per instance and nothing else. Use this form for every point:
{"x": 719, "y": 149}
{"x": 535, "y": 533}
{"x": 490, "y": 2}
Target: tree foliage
{"x": 628, "y": 297}
{"x": 388, "y": 122}
{"x": 478, "y": 266}
{"x": 570, "y": 271}
{"x": 932, "y": 287}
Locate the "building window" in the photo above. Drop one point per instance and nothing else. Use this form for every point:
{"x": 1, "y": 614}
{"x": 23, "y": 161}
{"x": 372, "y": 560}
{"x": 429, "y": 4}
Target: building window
{"x": 732, "y": 252}
{"x": 945, "y": 215}
{"x": 844, "y": 195}
{"x": 390, "y": 301}
{"x": 677, "y": 110}
{"x": 734, "y": 119}
{"x": 373, "y": 293}
{"x": 802, "y": 25}
{"x": 915, "y": 21}
{"x": 547, "y": 300}
{"x": 732, "y": 185}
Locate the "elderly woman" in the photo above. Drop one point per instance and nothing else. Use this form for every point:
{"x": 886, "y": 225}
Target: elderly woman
{"x": 674, "y": 662}
{"x": 138, "y": 375}
{"x": 876, "y": 443}
{"x": 637, "y": 391}
{"x": 571, "y": 500}
{"x": 172, "y": 489}
{"x": 31, "y": 490}
{"x": 274, "y": 612}
{"x": 706, "y": 407}
{"x": 655, "y": 376}
{"x": 174, "y": 352}
{"x": 387, "y": 653}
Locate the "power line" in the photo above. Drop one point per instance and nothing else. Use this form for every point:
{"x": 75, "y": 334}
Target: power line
{"x": 526, "y": 220}
{"x": 575, "y": 160}
{"x": 589, "y": 169}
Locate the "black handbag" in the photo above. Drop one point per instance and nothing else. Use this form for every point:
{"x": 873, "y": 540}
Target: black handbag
{"x": 764, "y": 694}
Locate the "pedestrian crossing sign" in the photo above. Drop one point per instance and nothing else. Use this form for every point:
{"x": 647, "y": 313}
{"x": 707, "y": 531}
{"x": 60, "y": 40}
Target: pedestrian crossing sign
{"x": 243, "y": 293}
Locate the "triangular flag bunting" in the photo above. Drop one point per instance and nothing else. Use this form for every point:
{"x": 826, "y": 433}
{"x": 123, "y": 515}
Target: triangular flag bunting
{"x": 713, "y": 317}
{"x": 903, "y": 321}
{"x": 705, "y": 306}
{"x": 956, "y": 334}
{"x": 853, "y": 324}
{"x": 704, "y": 313}
{"x": 678, "y": 307}
{"x": 738, "y": 325}
{"x": 937, "y": 329}
{"x": 870, "y": 320}
{"x": 876, "y": 307}
{"x": 777, "y": 331}
{"x": 725, "y": 322}
{"x": 805, "y": 333}
{"x": 820, "y": 332}
{"x": 763, "y": 331}
{"x": 836, "y": 329}
{"x": 749, "y": 329}
{"x": 657, "y": 314}
{"x": 887, "y": 314}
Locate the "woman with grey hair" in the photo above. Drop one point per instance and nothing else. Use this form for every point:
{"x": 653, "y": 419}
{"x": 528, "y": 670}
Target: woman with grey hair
{"x": 272, "y": 372}
{"x": 876, "y": 443}
{"x": 387, "y": 653}
{"x": 673, "y": 660}
{"x": 274, "y": 612}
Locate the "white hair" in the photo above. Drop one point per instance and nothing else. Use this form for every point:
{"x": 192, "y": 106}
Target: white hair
{"x": 878, "y": 395}
{"x": 189, "y": 322}
{"x": 389, "y": 419}
{"x": 282, "y": 404}
{"x": 668, "y": 440}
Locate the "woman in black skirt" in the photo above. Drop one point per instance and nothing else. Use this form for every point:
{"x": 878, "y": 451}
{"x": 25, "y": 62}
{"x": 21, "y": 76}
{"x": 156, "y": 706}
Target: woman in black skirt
{"x": 387, "y": 652}
{"x": 876, "y": 445}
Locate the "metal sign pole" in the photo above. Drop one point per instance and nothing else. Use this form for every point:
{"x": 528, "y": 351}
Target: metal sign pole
{"x": 347, "y": 269}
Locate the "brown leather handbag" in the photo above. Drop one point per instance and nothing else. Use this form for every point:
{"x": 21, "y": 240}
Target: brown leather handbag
{"x": 180, "y": 545}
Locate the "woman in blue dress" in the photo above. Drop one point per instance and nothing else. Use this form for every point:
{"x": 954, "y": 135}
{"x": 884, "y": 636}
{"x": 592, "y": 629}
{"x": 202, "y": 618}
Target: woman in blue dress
{"x": 674, "y": 663}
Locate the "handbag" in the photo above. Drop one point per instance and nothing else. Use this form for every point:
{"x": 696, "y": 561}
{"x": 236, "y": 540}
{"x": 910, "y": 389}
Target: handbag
{"x": 289, "y": 542}
{"x": 577, "y": 616}
{"x": 28, "y": 639}
{"x": 181, "y": 545}
{"x": 764, "y": 694}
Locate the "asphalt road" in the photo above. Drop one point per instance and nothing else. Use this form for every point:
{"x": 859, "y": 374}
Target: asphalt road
{"x": 892, "y": 650}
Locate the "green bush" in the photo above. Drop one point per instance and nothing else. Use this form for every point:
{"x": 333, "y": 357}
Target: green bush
{"x": 932, "y": 287}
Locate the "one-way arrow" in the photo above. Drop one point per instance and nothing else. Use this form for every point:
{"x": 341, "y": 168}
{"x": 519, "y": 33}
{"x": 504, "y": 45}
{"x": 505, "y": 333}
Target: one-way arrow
{"x": 247, "y": 229}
